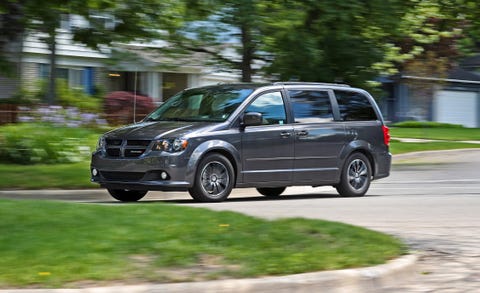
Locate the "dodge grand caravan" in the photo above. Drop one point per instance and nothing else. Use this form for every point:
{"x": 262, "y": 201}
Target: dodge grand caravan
{"x": 209, "y": 140}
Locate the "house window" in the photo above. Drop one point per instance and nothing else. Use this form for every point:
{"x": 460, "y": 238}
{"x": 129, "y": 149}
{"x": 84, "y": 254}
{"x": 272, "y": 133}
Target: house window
{"x": 44, "y": 72}
{"x": 75, "y": 77}
{"x": 65, "y": 22}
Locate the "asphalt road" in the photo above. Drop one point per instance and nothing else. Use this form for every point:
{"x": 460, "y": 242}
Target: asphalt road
{"x": 431, "y": 201}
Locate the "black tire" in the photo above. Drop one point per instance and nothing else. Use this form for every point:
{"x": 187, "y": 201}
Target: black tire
{"x": 356, "y": 176}
{"x": 271, "y": 191}
{"x": 127, "y": 195}
{"x": 214, "y": 179}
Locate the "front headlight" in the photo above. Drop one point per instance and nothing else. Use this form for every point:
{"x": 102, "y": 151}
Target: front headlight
{"x": 101, "y": 144}
{"x": 171, "y": 145}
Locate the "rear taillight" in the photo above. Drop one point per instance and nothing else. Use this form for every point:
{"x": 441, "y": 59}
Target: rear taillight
{"x": 386, "y": 135}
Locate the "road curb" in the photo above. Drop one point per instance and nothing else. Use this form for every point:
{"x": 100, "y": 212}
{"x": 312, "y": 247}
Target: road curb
{"x": 369, "y": 279}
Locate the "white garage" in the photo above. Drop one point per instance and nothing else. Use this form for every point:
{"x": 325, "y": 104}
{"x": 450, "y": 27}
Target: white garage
{"x": 457, "y": 107}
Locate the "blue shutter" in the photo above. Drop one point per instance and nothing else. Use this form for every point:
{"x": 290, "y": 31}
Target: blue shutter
{"x": 88, "y": 80}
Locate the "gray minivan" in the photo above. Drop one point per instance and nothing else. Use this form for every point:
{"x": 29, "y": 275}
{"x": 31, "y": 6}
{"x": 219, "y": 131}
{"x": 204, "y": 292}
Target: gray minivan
{"x": 208, "y": 140}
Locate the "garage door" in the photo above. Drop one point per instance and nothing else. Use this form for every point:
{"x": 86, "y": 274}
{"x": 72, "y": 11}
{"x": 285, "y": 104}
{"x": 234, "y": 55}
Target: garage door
{"x": 456, "y": 108}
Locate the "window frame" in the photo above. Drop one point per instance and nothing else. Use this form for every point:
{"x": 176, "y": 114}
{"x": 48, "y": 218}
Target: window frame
{"x": 286, "y": 106}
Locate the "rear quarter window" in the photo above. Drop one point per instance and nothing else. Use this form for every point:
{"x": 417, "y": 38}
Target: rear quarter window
{"x": 354, "y": 106}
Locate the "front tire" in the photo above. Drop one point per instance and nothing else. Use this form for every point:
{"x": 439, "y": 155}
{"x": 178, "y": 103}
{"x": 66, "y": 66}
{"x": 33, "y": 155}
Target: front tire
{"x": 127, "y": 195}
{"x": 271, "y": 191}
{"x": 214, "y": 179}
{"x": 356, "y": 176}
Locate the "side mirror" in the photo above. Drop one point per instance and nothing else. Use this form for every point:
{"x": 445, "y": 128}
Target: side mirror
{"x": 252, "y": 119}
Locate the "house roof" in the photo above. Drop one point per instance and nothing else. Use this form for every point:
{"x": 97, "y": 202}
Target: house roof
{"x": 471, "y": 62}
{"x": 462, "y": 74}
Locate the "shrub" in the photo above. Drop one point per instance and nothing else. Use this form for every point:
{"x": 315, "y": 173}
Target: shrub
{"x": 65, "y": 96}
{"x": 71, "y": 97}
{"x": 119, "y": 107}
{"x": 29, "y": 143}
{"x": 59, "y": 116}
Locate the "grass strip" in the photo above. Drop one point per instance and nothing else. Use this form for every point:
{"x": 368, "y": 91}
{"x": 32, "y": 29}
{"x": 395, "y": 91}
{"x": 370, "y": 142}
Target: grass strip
{"x": 58, "y": 176}
{"x": 452, "y": 134}
{"x": 54, "y": 244}
{"x": 397, "y": 147}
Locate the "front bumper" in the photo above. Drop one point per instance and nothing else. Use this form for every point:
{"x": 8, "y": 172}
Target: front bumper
{"x": 144, "y": 173}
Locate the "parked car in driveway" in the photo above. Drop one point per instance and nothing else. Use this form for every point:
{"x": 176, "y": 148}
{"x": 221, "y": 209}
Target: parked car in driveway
{"x": 209, "y": 140}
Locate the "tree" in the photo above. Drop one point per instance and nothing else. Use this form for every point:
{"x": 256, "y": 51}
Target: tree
{"x": 215, "y": 27}
{"x": 433, "y": 35}
{"x": 331, "y": 41}
{"x": 12, "y": 27}
{"x": 131, "y": 20}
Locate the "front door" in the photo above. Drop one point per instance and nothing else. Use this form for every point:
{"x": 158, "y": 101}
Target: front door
{"x": 267, "y": 149}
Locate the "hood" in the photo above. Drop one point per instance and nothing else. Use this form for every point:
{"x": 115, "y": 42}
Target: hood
{"x": 153, "y": 130}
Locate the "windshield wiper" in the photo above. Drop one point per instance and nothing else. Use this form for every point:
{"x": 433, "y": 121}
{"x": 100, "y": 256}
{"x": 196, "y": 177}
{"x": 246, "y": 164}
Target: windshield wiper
{"x": 177, "y": 119}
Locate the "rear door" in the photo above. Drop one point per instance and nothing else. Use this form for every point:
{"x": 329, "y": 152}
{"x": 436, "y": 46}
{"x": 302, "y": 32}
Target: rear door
{"x": 267, "y": 149}
{"x": 319, "y": 140}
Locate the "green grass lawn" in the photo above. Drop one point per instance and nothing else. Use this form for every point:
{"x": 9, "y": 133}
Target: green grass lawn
{"x": 454, "y": 134}
{"x": 397, "y": 147}
{"x": 60, "y": 176}
{"x": 53, "y": 244}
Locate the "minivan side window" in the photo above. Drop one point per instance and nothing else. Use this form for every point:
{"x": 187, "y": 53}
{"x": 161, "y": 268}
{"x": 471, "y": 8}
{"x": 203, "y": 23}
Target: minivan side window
{"x": 354, "y": 106}
{"x": 271, "y": 106}
{"x": 311, "y": 106}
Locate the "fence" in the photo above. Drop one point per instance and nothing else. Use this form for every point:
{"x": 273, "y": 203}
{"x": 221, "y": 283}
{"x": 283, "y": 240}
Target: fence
{"x": 8, "y": 113}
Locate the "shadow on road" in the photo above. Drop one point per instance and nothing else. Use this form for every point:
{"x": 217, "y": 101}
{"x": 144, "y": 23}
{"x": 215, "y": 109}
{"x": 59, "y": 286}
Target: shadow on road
{"x": 233, "y": 199}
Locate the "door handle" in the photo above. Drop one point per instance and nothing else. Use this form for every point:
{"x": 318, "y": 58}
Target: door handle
{"x": 302, "y": 133}
{"x": 285, "y": 134}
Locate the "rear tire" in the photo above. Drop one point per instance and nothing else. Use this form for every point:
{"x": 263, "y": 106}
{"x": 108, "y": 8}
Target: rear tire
{"x": 214, "y": 179}
{"x": 127, "y": 195}
{"x": 356, "y": 176}
{"x": 271, "y": 191}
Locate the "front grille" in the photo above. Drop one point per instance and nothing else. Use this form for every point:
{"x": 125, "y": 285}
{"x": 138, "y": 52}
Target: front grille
{"x": 115, "y": 142}
{"x": 113, "y": 152}
{"x": 144, "y": 143}
{"x": 122, "y": 176}
{"x": 119, "y": 148}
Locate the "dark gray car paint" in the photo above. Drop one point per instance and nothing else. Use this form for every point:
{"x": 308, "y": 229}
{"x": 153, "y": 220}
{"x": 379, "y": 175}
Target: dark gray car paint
{"x": 263, "y": 156}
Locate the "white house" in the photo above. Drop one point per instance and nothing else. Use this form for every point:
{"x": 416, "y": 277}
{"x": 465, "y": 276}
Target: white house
{"x": 146, "y": 71}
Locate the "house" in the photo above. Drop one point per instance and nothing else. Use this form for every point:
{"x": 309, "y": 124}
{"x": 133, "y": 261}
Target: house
{"x": 128, "y": 67}
{"x": 454, "y": 99}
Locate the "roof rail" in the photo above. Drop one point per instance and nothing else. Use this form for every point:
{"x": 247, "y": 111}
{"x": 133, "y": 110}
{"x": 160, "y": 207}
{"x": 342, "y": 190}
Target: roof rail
{"x": 309, "y": 83}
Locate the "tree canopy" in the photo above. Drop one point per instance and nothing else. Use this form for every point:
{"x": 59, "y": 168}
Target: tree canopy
{"x": 332, "y": 41}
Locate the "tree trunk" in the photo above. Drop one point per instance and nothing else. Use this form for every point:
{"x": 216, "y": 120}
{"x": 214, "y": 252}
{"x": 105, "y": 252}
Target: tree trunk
{"x": 51, "y": 89}
{"x": 248, "y": 49}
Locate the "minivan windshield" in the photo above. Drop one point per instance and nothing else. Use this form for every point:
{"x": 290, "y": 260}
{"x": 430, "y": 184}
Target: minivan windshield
{"x": 209, "y": 104}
